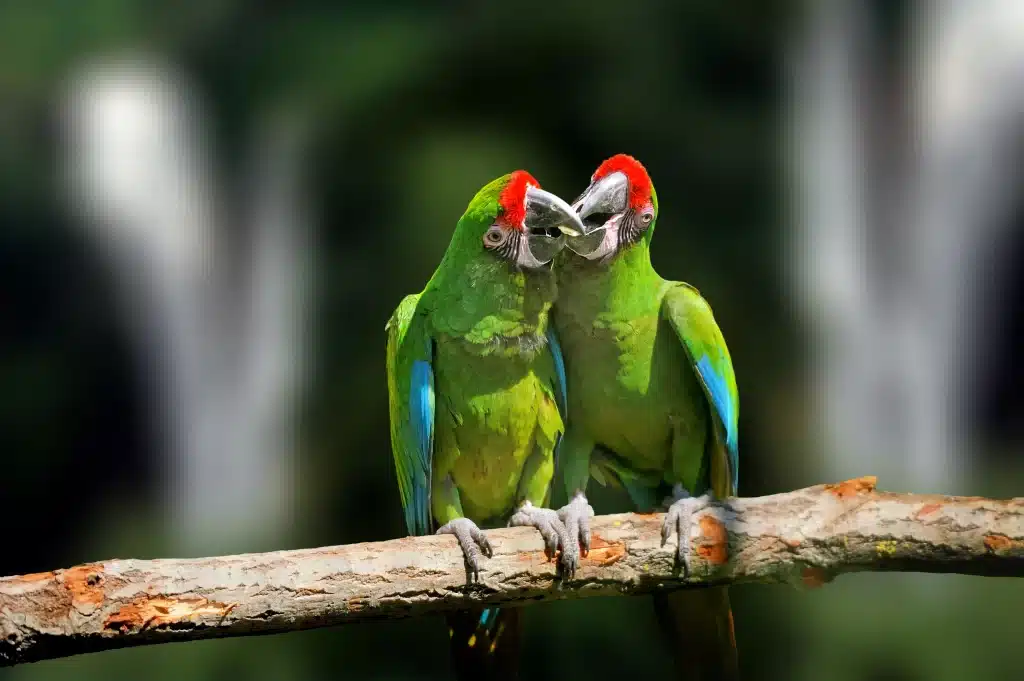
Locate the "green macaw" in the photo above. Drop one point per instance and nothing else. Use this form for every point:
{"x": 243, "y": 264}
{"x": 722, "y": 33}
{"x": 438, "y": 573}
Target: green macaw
{"x": 653, "y": 402}
{"x": 477, "y": 395}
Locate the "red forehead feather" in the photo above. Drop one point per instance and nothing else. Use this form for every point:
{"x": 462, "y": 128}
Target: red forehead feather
{"x": 513, "y": 198}
{"x": 639, "y": 180}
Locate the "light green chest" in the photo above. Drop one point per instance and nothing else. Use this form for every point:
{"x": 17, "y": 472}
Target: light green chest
{"x": 499, "y": 410}
{"x": 630, "y": 385}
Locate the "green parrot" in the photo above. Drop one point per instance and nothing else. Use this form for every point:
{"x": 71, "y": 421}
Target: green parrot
{"x": 653, "y": 402}
{"x": 477, "y": 396}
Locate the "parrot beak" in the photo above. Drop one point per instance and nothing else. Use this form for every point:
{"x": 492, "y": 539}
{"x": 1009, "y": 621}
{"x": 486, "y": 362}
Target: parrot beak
{"x": 548, "y": 220}
{"x": 602, "y": 201}
{"x": 549, "y": 214}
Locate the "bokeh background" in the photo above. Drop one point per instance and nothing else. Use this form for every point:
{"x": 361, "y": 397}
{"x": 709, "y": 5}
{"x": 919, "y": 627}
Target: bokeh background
{"x": 209, "y": 209}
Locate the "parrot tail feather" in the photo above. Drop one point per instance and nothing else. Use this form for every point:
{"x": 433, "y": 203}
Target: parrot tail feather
{"x": 698, "y": 628}
{"x": 485, "y": 643}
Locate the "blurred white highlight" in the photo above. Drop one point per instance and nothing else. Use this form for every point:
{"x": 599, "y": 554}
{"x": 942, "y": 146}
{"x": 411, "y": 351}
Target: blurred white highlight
{"x": 900, "y": 260}
{"x": 219, "y": 316}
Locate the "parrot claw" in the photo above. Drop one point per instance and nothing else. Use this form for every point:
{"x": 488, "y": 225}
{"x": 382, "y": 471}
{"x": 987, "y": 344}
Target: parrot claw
{"x": 678, "y": 519}
{"x": 473, "y": 543}
{"x": 576, "y": 517}
{"x": 547, "y": 523}
{"x": 567, "y": 530}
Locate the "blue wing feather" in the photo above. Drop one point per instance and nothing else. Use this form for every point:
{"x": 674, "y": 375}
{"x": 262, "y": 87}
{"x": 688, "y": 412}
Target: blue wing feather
{"x": 421, "y": 412}
{"x": 560, "y": 389}
{"x": 723, "y": 403}
{"x": 556, "y": 353}
{"x": 410, "y": 352}
{"x": 694, "y": 323}
{"x": 421, "y": 404}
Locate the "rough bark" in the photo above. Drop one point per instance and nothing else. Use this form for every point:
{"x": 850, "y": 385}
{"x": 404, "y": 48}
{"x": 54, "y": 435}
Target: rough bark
{"x": 806, "y": 537}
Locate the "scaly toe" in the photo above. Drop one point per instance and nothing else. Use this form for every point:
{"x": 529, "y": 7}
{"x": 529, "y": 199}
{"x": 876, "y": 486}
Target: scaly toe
{"x": 683, "y": 558}
{"x": 546, "y": 521}
{"x": 669, "y": 525}
{"x": 576, "y": 517}
{"x": 569, "y": 561}
{"x": 472, "y": 541}
{"x": 679, "y": 518}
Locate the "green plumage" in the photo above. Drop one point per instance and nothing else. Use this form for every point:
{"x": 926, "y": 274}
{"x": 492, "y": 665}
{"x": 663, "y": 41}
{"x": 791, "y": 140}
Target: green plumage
{"x": 632, "y": 342}
{"x": 476, "y": 408}
{"x": 653, "y": 403}
{"x": 482, "y": 324}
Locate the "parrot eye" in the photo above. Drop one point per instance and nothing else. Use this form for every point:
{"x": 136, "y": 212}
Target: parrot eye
{"x": 646, "y": 218}
{"x": 495, "y": 236}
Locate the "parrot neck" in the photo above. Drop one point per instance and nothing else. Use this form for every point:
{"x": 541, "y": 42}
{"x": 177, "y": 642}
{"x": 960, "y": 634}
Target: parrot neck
{"x": 492, "y": 303}
{"x": 626, "y": 284}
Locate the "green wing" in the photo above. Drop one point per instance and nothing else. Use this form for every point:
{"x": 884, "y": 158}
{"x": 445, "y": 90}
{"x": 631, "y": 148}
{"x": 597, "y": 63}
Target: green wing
{"x": 691, "y": 317}
{"x": 411, "y": 404}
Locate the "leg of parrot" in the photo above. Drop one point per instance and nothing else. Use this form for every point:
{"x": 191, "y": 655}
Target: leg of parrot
{"x": 567, "y": 529}
{"x": 551, "y": 529}
{"x": 575, "y": 457}
{"x": 697, "y": 623}
{"x": 535, "y": 490}
{"x": 576, "y": 517}
{"x": 678, "y": 519}
{"x": 473, "y": 543}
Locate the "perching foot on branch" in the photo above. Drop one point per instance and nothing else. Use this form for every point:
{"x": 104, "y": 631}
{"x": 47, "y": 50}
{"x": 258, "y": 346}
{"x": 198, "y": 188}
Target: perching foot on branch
{"x": 567, "y": 529}
{"x": 679, "y": 518}
{"x": 576, "y": 516}
{"x": 546, "y": 521}
{"x": 472, "y": 541}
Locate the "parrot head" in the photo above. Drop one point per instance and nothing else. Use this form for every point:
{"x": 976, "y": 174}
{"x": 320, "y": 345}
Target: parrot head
{"x": 618, "y": 209}
{"x": 523, "y": 224}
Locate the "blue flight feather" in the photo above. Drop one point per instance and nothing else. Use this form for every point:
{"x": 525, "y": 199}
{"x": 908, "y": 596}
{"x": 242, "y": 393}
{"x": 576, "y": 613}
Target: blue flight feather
{"x": 556, "y": 353}
{"x": 723, "y": 404}
{"x": 561, "y": 392}
{"x": 421, "y": 410}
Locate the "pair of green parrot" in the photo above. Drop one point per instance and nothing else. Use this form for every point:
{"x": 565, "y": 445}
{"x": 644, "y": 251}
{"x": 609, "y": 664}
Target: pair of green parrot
{"x": 545, "y": 339}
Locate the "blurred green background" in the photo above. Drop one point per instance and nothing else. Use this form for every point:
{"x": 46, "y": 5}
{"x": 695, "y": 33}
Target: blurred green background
{"x": 408, "y": 108}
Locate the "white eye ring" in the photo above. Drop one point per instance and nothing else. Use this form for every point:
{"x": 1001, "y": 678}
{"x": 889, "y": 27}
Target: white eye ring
{"x": 646, "y": 217}
{"x": 495, "y": 236}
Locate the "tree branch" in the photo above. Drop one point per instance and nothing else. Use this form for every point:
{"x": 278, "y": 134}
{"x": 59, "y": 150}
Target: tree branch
{"x": 806, "y": 537}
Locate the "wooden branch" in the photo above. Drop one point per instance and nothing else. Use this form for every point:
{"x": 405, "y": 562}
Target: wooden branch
{"x": 804, "y": 538}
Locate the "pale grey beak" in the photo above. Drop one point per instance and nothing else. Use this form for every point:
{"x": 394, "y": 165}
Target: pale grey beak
{"x": 548, "y": 220}
{"x": 596, "y": 206}
{"x": 549, "y": 215}
{"x": 603, "y": 199}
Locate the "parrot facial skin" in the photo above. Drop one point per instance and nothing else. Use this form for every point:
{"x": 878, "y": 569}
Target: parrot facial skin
{"x": 476, "y": 386}
{"x": 653, "y": 402}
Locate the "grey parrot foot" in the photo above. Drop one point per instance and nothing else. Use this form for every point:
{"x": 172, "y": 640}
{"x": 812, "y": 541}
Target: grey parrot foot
{"x": 576, "y": 517}
{"x": 547, "y": 523}
{"x": 473, "y": 543}
{"x": 679, "y": 519}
